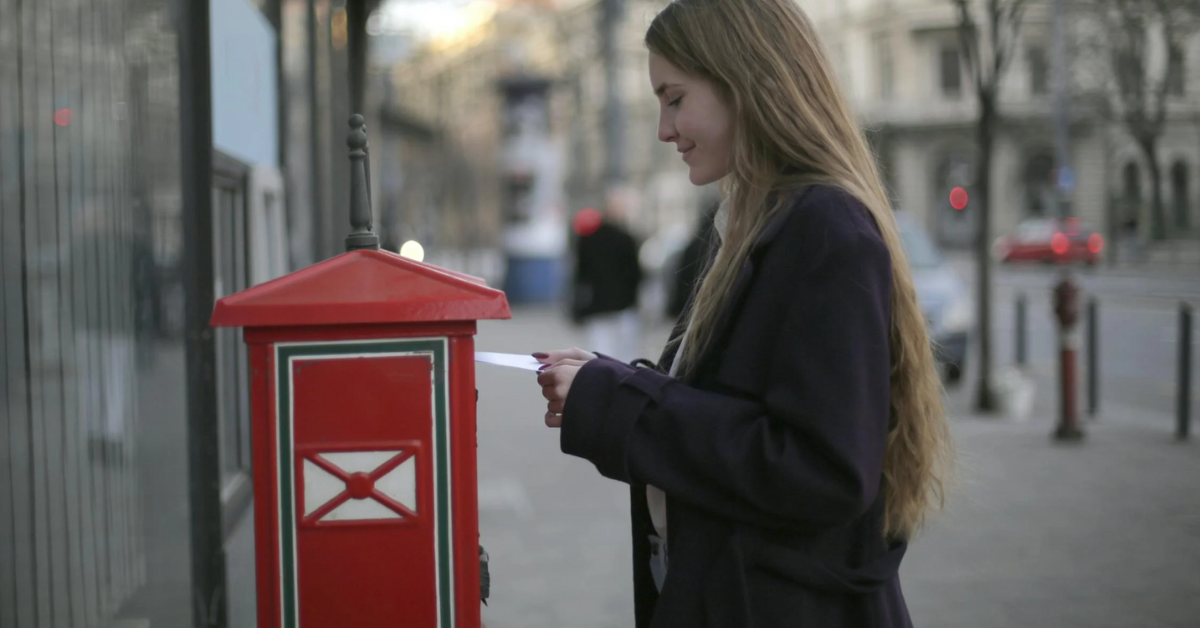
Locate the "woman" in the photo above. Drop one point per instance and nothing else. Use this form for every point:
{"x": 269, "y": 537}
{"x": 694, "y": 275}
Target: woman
{"x": 791, "y": 438}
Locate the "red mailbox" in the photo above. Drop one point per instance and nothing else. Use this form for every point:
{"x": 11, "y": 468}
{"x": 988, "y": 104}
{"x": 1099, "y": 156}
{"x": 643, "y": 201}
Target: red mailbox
{"x": 363, "y": 402}
{"x": 363, "y": 413}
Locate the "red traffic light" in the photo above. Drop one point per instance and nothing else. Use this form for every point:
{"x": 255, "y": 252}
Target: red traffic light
{"x": 958, "y": 199}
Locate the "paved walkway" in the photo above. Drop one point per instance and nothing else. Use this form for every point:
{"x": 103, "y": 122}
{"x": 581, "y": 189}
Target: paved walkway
{"x": 1100, "y": 533}
{"x": 1096, "y": 534}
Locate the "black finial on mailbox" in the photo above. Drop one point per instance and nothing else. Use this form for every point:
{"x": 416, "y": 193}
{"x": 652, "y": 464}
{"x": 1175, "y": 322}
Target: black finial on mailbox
{"x": 361, "y": 237}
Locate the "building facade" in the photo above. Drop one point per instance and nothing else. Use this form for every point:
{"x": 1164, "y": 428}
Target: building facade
{"x": 901, "y": 69}
{"x": 444, "y": 117}
{"x": 447, "y": 105}
{"x": 667, "y": 201}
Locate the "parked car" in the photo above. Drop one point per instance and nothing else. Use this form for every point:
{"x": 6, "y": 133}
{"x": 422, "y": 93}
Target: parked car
{"x": 1050, "y": 241}
{"x": 944, "y": 299}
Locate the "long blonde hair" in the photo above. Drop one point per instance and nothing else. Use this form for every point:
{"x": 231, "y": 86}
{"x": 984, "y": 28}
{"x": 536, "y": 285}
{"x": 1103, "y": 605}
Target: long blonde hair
{"x": 793, "y": 128}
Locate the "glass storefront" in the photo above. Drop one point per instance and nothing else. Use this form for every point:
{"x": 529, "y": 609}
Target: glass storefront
{"x": 96, "y": 517}
{"x": 93, "y": 464}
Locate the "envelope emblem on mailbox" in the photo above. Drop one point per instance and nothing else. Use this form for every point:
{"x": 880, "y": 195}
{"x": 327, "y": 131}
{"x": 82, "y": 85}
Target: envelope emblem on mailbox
{"x": 360, "y": 485}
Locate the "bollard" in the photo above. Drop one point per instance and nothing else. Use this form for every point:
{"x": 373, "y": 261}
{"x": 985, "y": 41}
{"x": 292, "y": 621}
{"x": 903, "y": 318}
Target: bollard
{"x": 1066, "y": 308}
{"x": 1093, "y": 358}
{"x": 1184, "y": 390}
{"x": 1021, "y": 329}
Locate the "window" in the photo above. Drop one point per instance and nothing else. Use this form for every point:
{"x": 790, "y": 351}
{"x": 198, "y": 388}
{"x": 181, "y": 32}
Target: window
{"x": 951, "y": 71}
{"x": 1132, "y": 177}
{"x": 1180, "y": 196}
{"x": 1039, "y": 71}
{"x": 884, "y": 66}
{"x": 1040, "y": 193}
{"x": 231, "y": 273}
{"x": 1175, "y": 72}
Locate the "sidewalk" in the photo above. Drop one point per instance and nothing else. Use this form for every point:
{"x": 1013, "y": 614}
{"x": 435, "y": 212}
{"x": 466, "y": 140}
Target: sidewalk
{"x": 1101, "y": 533}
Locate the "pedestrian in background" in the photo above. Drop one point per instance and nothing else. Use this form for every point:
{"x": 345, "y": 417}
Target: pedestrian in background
{"x": 791, "y": 439}
{"x": 607, "y": 278}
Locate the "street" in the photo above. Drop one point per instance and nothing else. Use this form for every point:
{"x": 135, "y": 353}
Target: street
{"x": 1138, "y": 329}
{"x": 1105, "y": 533}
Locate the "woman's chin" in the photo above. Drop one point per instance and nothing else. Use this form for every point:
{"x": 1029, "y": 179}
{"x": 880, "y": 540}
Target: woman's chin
{"x": 699, "y": 177}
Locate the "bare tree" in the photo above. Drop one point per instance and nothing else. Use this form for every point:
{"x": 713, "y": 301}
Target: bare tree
{"x": 989, "y": 32}
{"x": 1139, "y": 45}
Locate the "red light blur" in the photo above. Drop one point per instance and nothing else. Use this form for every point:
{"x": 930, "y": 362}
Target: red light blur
{"x": 62, "y": 117}
{"x": 1059, "y": 244}
{"x": 1095, "y": 243}
{"x": 586, "y": 222}
{"x": 958, "y": 199}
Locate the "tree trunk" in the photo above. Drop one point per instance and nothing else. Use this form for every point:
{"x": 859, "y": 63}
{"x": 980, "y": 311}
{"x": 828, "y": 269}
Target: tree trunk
{"x": 985, "y": 400}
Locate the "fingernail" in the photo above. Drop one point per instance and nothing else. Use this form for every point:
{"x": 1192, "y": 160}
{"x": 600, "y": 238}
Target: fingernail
{"x": 543, "y": 367}
{"x": 541, "y": 356}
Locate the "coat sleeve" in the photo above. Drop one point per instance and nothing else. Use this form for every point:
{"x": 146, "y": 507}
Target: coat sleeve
{"x": 809, "y": 452}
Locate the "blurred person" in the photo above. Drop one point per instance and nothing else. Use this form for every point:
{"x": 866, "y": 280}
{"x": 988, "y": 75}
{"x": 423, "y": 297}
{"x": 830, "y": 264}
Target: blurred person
{"x": 106, "y": 342}
{"x": 791, "y": 439}
{"x": 607, "y": 277}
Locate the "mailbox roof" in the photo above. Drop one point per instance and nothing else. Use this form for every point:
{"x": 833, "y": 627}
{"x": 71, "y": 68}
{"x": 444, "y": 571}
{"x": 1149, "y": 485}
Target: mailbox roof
{"x": 358, "y": 287}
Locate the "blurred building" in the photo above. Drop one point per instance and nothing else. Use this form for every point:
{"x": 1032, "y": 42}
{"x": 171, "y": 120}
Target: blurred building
{"x": 446, "y": 105}
{"x": 475, "y": 160}
{"x": 654, "y": 170}
{"x": 444, "y": 111}
{"x": 900, "y": 66}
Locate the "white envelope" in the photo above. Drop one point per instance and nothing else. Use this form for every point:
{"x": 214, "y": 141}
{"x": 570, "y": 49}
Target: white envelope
{"x": 511, "y": 360}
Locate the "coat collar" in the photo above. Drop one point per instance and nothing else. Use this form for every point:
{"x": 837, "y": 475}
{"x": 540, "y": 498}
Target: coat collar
{"x": 738, "y": 290}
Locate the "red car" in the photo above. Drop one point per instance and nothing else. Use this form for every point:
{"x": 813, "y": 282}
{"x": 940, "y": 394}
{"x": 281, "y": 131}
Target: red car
{"x": 1050, "y": 241}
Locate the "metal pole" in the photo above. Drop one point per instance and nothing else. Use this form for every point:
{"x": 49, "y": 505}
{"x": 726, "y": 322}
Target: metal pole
{"x": 208, "y": 582}
{"x": 1093, "y": 358}
{"x": 356, "y": 42}
{"x": 361, "y": 235}
{"x": 1062, "y": 121}
{"x": 1185, "y": 372}
{"x": 1022, "y": 312}
{"x": 1066, "y": 294}
{"x": 614, "y": 138}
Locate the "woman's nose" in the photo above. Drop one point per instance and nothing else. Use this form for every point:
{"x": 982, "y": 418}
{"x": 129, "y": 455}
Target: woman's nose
{"x": 666, "y": 130}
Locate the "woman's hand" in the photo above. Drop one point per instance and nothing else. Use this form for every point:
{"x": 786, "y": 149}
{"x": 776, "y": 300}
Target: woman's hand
{"x": 556, "y": 377}
{"x": 550, "y": 357}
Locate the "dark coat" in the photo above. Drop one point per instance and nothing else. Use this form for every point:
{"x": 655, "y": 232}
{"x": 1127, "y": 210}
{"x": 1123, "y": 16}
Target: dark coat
{"x": 607, "y": 272}
{"x": 771, "y": 455}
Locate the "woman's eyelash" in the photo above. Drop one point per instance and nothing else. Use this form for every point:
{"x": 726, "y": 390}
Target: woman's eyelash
{"x": 675, "y": 102}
